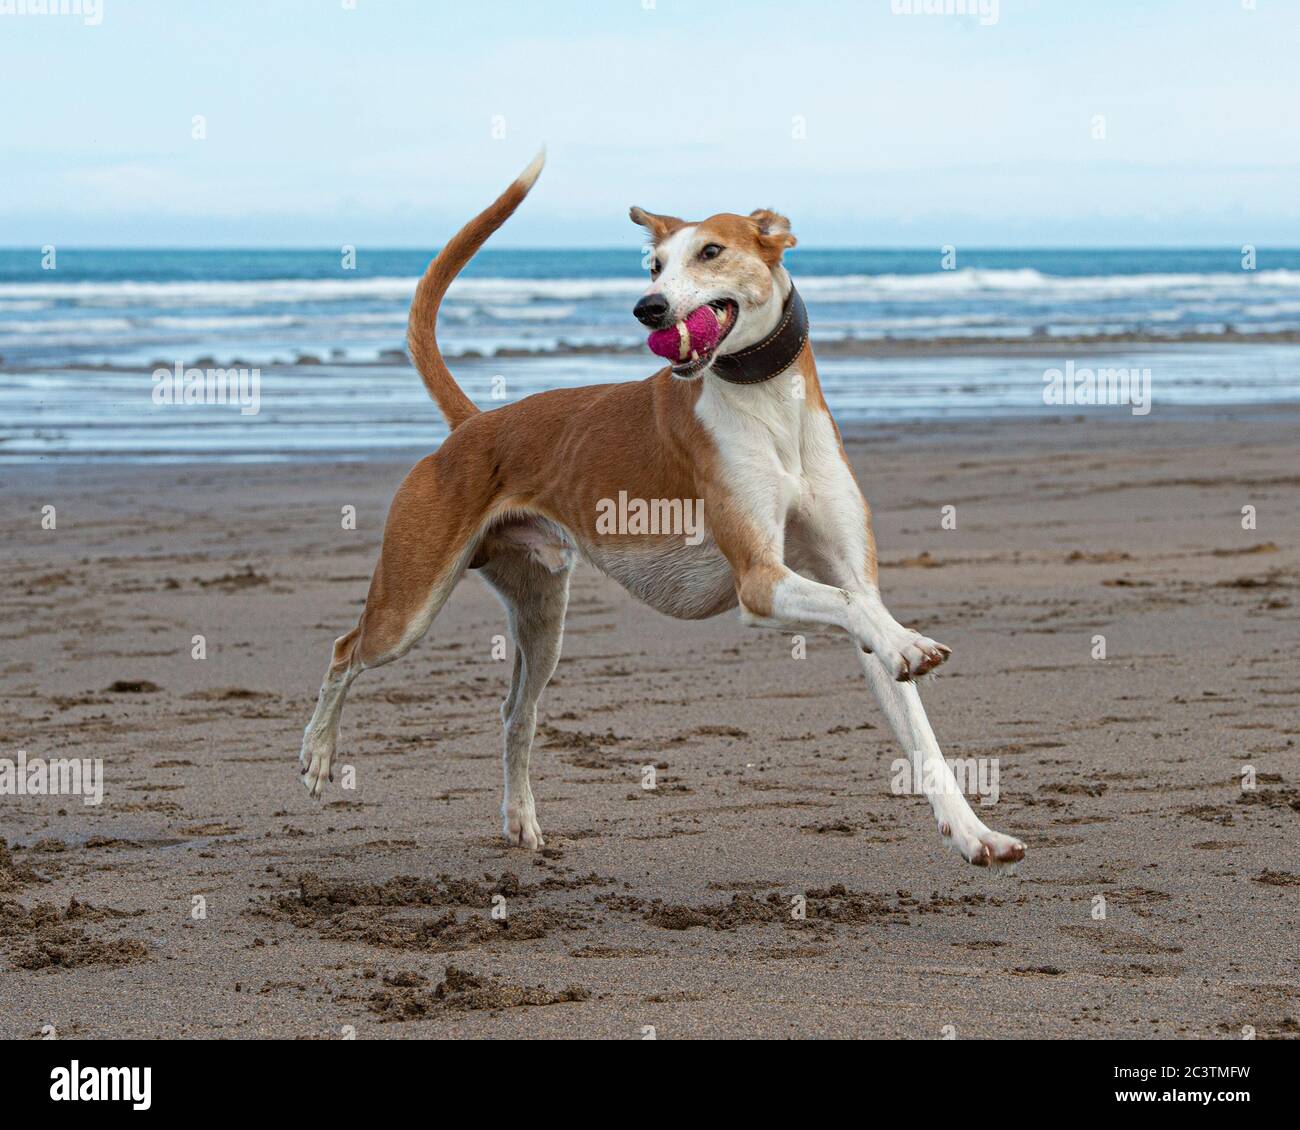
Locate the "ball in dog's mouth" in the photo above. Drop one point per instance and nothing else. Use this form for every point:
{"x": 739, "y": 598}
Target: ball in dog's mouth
{"x": 691, "y": 343}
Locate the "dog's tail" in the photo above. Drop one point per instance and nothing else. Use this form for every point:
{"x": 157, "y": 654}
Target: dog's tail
{"x": 421, "y": 337}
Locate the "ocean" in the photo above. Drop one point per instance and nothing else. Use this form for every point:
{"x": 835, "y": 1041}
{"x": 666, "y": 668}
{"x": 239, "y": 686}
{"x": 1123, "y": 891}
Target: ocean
{"x": 78, "y": 343}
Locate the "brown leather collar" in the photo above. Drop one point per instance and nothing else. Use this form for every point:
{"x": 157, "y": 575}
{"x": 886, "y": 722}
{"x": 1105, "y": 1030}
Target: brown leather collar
{"x": 774, "y": 354}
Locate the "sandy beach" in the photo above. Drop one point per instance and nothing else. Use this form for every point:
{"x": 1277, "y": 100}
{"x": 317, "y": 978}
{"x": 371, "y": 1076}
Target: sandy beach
{"x": 209, "y": 896}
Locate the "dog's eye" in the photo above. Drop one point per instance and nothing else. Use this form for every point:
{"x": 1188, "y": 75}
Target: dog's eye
{"x": 655, "y": 268}
{"x": 710, "y": 251}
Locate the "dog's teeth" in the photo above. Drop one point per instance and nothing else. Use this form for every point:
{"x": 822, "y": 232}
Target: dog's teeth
{"x": 684, "y": 337}
{"x": 695, "y": 356}
{"x": 722, "y": 316}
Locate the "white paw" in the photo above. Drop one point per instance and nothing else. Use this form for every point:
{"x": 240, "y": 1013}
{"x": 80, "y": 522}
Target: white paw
{"x": 983, "y": 847}
{"x": 315, "y": 763}
{"x": 912, "y": 655}
{"x": 521, "y": 827}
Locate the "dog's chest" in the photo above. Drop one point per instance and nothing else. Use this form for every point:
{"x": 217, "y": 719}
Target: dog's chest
{"x": 772, "y": 448}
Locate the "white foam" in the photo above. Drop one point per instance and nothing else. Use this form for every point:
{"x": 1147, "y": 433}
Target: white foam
{"x": 504, "y": 291}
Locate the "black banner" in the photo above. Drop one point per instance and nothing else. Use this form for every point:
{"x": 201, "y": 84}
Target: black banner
{"x": 142, "y": 1078}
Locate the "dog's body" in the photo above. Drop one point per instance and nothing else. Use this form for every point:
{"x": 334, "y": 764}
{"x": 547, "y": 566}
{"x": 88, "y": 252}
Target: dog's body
{"x": 516, "y": 492}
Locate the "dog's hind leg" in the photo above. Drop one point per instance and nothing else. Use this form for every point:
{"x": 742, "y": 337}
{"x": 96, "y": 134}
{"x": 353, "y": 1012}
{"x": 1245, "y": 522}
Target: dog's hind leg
{"x": 535, "y": 593}
{"x": 428, "y": 541}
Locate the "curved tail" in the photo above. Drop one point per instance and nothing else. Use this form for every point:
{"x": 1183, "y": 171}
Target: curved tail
{"x": 421, "y": 339}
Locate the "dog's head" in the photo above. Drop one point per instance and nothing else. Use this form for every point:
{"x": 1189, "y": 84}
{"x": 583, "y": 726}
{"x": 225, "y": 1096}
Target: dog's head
{"x": 716, "y": 286}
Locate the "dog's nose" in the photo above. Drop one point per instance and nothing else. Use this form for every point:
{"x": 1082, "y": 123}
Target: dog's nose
{"x": 652, "y": 311}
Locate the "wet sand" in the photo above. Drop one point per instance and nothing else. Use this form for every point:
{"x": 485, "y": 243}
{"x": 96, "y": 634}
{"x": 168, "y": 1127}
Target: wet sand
{"x": 373, "y": 909}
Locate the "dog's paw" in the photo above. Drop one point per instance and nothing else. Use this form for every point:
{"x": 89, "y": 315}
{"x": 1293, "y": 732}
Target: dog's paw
{"x": 315, "y": 764}
{"x": 521, "y": 827}
{"x": 983, "y": 847}
{"x": 916, "y": 655}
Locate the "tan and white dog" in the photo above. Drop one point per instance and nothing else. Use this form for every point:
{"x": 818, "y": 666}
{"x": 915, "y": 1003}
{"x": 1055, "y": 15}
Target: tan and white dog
{"x": 515, "y": 493}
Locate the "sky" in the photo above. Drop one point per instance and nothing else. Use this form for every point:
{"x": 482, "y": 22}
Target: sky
{"x": 390, "y": 122}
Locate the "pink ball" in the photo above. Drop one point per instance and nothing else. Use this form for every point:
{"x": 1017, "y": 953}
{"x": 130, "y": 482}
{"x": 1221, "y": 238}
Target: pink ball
{"x": 701, "y": 335}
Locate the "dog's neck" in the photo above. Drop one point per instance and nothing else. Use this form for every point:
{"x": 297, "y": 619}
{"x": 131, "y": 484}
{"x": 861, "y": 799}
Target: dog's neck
{"x": 772, "y": 342}
{"x": 763, "y": 319}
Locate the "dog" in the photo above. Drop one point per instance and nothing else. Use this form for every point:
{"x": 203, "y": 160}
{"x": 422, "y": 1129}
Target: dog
{"x": 737, "y": 420}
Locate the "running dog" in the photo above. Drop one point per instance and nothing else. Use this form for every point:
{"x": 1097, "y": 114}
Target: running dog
{"x": 736, "y": 420}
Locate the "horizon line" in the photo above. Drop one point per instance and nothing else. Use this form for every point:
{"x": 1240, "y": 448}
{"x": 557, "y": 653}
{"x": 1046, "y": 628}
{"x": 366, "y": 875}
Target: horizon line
{"x": 632, "y": 249}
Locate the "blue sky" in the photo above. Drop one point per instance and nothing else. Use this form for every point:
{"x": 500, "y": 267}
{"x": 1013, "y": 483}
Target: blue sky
{"x": 374, "y": 125}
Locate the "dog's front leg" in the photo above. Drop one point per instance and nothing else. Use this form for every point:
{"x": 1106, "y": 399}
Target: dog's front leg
{"x": 837, "y": 541}
{"x": 774, "y": 596}
{"x": 960, "y": 828}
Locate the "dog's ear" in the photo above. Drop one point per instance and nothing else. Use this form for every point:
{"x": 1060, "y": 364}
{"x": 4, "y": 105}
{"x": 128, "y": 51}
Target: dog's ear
{"x": 656, "y": 226}
{"x": 773, "y": 233}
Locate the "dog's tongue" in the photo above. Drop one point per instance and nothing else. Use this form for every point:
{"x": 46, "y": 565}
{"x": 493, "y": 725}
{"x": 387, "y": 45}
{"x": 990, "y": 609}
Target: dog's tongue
{"x": 698, "y": 334}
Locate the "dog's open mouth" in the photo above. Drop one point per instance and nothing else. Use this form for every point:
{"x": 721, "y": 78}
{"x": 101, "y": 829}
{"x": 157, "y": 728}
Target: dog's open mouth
{"x": 691, "y": 343}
